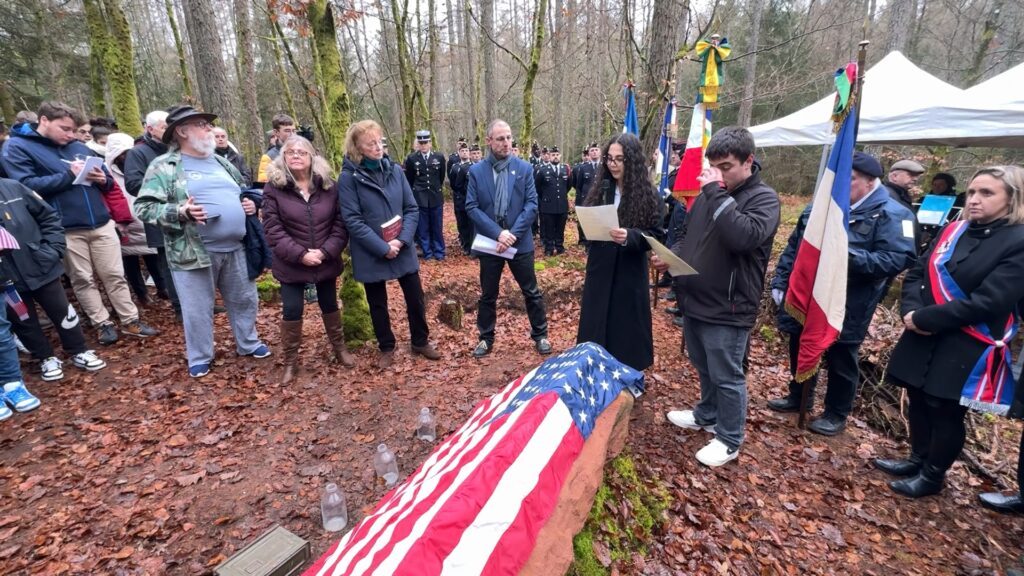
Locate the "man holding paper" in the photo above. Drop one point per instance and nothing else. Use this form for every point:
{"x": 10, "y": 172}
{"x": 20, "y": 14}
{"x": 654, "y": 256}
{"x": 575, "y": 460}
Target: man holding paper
{"x": 501, "y": 200}
{"x": 727, "y": 237}
{"x": 46, "y": 157}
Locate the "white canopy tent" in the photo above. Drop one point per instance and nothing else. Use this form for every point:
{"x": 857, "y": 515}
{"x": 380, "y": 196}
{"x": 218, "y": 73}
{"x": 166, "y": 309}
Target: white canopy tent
{"x": 905, "y": 105}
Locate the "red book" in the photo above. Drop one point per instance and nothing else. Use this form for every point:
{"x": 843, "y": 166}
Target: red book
{"x": 391, "y": 229}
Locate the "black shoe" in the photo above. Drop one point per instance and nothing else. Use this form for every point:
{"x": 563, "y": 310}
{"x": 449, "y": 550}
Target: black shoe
{"x": 1002, "y": 503}
{"x": 218, "y": 309}
{"x": 828, "y": 424}
{"x": 927, "y": 482}
{"x": 544, "y": 346}
{"x": 482, "y": 349}
{"x": 909, "y": 467}
{"x": 671, "y": 297}
{"x": 784, "y": 404}
{"x": 678, "y": 321}
{"x": 672, "y": 310}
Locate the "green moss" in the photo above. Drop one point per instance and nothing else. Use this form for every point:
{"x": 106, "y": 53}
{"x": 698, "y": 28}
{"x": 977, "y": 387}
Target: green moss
{"x": 539, "y": 265}
{"x": 267, "y": 288}
{"x": 355, "y": 312}
{"x": 768, "y": 334}
{"x": 622, "y": 534}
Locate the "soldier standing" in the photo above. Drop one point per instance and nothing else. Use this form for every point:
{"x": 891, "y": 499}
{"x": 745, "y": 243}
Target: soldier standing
{"x": 453, "y": 158}
{"x": 582, "y": 176}
{"x": 552, "y": 180}
{"x": 425, "y": 171}
{"x": 458, "y": 179}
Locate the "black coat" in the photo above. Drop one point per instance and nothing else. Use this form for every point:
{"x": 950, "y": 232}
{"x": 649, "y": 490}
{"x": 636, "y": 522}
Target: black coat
{"x": 426, "y": 176}
{"x": 36, "y": 226}
{"x": 552, "y": 181}
{"x": 616, "y": 309}
{"x": 458, "y": 179}
{"x": 988, "y": 265}
{"x": 136, "y": 162}
{"x": 582, "y": 175}
{"x": 258, "y": 256}
{"x": 727, "y": 238}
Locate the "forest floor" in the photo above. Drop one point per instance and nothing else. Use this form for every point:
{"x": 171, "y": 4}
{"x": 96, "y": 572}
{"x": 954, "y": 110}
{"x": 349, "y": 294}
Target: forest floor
{"x": 138, "y": 469}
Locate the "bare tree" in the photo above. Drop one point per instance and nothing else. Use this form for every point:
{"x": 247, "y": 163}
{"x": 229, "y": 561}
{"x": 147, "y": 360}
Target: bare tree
{"x": 214, "y": 92}
{"x": 756, "y": 8}
{"x": 901, "y": 16}
{"x": 487, "y": 50}
{"x": 251, "y": 134}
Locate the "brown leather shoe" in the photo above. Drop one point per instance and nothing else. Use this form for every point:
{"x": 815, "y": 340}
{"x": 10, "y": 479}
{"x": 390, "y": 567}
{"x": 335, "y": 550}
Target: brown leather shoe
{"x": 386, "y": 359}
{"x": 427, "y": 351}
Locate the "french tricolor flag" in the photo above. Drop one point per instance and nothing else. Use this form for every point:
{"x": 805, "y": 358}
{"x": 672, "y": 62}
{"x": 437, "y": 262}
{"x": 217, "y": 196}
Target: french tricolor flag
{"x": 692, "y": 162}
{"x": 817, "y": 286}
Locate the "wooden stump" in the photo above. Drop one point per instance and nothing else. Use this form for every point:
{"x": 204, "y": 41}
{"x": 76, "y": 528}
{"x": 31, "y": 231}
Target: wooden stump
{"x": 450, "y": 313}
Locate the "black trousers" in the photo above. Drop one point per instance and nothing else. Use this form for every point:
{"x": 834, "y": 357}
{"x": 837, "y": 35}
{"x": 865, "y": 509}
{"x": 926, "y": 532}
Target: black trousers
{"x": 293, "y": 298}
{"x": 521, "y": 267}
{"x": 54, "y": 302}
{"x": 552, "y": 231}
{"x": 133, "y": 274}
{"x": 843, "y": 376}
{"x": 415, "y": 310}
{"x": 465, "y": 227}
{"x": 937, "y": 428}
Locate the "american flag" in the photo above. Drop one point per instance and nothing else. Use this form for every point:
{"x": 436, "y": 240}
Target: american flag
{"x": 478, "y": 502}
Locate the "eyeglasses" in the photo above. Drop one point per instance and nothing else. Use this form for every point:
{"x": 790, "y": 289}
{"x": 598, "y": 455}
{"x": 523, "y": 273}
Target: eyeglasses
{"x": 297, "y": 153}
{"x": 203, "y": 124}
{"x": 614, "y": 159}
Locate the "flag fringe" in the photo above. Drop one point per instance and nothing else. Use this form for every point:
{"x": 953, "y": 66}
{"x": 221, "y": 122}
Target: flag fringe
{"x": 802, "y": 377}
{"x": 989, "y": 407}
{"x": 796, "y": 314}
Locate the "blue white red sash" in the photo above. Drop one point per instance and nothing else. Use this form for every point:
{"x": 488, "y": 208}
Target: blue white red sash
{"x": 989, "y": 387}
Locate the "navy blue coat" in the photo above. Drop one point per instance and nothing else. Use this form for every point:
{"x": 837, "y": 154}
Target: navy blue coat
{"x": 36, "y": 226}
{"x": 879, "y": 248}
{"x": 40, "y": 164}
{"x": 368, "y": 200}
{"x": 522, "y": 206}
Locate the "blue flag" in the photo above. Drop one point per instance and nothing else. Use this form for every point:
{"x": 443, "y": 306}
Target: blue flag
{"x": 631, "y": 124}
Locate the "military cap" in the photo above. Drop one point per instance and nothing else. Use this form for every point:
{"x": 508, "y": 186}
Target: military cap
{"x": 423, "y": 135}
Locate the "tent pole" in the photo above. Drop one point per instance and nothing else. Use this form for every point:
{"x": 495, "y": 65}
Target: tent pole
{"x": 822, "y": 164}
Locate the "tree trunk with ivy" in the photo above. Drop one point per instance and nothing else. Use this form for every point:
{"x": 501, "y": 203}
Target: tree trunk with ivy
{"x": 406, "y": 73}
{"x": 97, "y": 93}
{"x": 531, "y": 68}
{"x": 110, "y": 38}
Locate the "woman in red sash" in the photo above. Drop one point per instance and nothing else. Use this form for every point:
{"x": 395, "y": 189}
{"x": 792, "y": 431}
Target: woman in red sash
{"x": 959, "y": 309}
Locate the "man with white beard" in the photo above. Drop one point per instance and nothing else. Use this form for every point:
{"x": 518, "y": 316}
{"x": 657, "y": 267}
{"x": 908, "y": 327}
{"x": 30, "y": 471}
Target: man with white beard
{"x": 194, "y": 195}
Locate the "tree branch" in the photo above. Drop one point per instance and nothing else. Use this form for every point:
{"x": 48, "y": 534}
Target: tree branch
{"x": 514, "y": 56}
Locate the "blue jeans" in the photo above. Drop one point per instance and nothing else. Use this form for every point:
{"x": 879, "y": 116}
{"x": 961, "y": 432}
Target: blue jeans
{"x": 430, "y": 232}
{"x": 10, "y": 370}
{"x": 716, "y": 351}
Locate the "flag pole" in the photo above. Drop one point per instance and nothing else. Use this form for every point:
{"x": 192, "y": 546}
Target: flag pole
{"x": 805, "y": 389}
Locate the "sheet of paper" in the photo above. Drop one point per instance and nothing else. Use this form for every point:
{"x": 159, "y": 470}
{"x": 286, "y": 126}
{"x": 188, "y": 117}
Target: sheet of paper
{"x": 598, "y": 221}
{"x": 490, "y": 246}
{"x": 91, "y": 162}
{"x": 676, "y": 266}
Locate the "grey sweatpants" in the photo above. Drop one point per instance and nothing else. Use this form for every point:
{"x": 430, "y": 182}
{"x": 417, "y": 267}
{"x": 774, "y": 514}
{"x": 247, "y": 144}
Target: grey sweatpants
{"x": 196, "y": 291}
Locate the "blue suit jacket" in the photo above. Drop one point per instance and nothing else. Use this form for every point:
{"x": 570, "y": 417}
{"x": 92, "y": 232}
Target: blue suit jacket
{"x": 522, "y": 206}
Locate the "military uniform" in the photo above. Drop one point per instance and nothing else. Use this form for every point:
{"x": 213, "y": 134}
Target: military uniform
{"x": 553, "y": 182}
{"x": 583, "y": 175}
{"x": 426, "y": 173}
{"x": 458, "y": 179}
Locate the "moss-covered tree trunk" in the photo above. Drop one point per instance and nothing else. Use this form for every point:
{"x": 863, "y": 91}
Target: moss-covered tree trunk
{"x": 186, "y": 83}
{"x": 98, "y": 95}
{"x": 336, "y": 111}
{"x": 7, "y": 104}
{"x": 111, "y": 39}
{"x": 531, "y": 69}
{"x": 336, "y": 105}
{"x": 282, "y": 76}
{"x": 412, "y": 94}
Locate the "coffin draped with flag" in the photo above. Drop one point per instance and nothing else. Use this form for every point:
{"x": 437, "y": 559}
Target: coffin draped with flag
{"x": 477, "y": 504}
{"x": 816, "y": 295}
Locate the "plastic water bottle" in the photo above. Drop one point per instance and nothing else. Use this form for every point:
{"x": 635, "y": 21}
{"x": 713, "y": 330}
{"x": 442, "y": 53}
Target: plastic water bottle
{"x": 332, "y": 508}
{"x": 386, "y": 465}
{"x": 426, "y": 429}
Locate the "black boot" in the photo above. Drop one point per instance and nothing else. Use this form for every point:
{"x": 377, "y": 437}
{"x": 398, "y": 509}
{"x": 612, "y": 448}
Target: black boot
{"x": 909, "y": 467}
{"x": 788, "y": 403}
{"x": 927, "y": 482}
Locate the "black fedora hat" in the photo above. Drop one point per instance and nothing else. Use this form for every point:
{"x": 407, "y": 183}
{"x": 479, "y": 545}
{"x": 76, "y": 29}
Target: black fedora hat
{"x": 181, "y": 113}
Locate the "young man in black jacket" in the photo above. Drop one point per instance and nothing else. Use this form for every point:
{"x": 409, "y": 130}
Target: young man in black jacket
{"x": 727, "y": 238}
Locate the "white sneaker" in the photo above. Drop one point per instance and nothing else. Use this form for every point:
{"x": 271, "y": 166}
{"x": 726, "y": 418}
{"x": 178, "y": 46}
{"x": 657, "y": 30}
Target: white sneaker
{"x": 716, "y": 453}
{"x": 88, "y": 360}
{"x": 51, "y": 369}
{"x": 19, "y": 345}
{"x": 685, "y": 419}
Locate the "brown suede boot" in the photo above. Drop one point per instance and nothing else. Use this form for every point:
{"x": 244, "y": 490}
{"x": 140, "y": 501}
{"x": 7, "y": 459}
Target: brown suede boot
{"x": 336, "y": 334}
{"x": 291, "y": 337}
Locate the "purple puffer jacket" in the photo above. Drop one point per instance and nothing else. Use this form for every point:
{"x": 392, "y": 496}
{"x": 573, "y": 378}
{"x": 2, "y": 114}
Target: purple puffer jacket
{"x": 293, "y": 226}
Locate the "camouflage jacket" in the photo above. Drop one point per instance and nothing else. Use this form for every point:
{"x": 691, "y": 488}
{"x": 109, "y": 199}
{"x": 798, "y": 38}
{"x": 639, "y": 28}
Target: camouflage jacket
{"x": 163, "y": 189}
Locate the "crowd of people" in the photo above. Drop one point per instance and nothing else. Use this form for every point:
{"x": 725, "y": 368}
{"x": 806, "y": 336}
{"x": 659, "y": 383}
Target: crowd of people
{"x": 180, "y": 202}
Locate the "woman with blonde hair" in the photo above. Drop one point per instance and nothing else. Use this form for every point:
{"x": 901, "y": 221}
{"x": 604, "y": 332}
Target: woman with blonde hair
{"x": 381, "y": 215}
{"x": 307, "y": 235}
{"x": 959, "y": 309}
